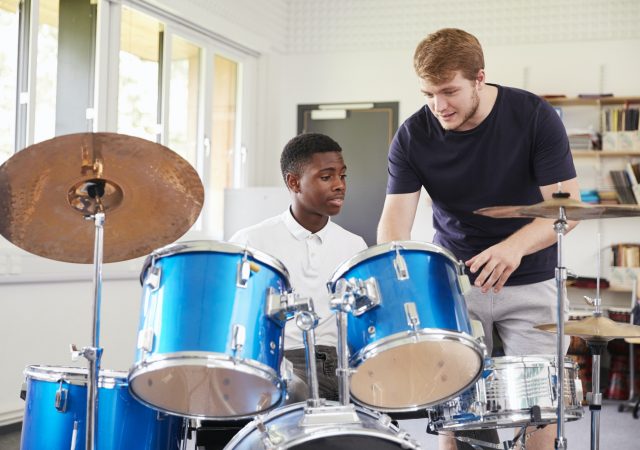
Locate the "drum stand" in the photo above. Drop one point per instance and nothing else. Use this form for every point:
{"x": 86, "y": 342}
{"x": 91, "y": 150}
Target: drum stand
{"x": 560, "y": 226}
{"x": 317, "y": 412}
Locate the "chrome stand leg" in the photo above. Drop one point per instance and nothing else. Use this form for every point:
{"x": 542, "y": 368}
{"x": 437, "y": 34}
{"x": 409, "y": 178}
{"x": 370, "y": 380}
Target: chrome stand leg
{"x": 560, "y": 227}
{"x": 595, "y": 397}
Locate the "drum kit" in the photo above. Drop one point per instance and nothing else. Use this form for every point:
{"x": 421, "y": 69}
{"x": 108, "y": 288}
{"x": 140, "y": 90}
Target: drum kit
{"x": 211, "y": 330}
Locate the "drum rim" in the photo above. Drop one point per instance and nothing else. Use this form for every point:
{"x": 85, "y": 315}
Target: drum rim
{"x": 201, "y": 246}
{"x": 496, "y": 420}
{"x": 165, "y": 360}
{"x": 380, "y": 249}
{"x": 410, "y": 337}
{"x": 490, "y": 362}
{"x": 76, "y": 376}
{"x": 319, "y": 431}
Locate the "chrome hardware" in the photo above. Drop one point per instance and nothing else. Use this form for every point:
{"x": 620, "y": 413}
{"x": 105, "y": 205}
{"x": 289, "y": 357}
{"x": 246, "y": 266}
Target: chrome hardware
{"x": 411, "y": 312}
{"x": 243, "y": 272}
{"x": 330, "y": 415}
{"x": 145, "y": 339}
{"x": 90, "y": 353}
{"x": 281, "y": 307}
{"x": 154, "y": 275}
{"x": 270, "y": 439}
{"x": 371, "y": 329}
{"x": 357, "y": 296}
{"x": 463, "y": 278}
{"x": 465, "y": 284}
{"x": 238, "y": 338}
{"x": 74, "y": 436}
{"x": 399, "y": 263}
{"x": 61, "y": 398}
{"x": 366, "y": 295}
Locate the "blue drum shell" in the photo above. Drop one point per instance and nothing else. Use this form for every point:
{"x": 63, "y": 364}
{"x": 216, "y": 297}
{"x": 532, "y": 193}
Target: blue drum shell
{"x": 432, "y": 286}
{"x": 122, "y": 423}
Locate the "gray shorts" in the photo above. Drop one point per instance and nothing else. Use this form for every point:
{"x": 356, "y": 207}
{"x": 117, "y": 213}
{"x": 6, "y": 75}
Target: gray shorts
{"x": 514, "y": 311}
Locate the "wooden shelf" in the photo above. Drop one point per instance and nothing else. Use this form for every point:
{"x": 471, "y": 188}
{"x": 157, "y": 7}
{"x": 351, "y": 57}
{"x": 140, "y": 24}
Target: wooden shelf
{"x": 604, "y": 153}
{"x": 576, "y": 101}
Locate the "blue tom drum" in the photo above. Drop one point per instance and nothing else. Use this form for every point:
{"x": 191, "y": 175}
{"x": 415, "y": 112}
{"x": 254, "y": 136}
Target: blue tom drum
{"x": 410, "y": 342}
{"x": 207, "y": 345}
{"x": 55, "y": 413}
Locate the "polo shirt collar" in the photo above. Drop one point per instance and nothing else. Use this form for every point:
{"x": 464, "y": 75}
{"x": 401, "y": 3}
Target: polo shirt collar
{"x": 300, "y": 232}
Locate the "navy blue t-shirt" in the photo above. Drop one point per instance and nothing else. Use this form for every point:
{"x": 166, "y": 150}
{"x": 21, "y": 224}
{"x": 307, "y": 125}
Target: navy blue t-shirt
{"x": 520, "y": 146}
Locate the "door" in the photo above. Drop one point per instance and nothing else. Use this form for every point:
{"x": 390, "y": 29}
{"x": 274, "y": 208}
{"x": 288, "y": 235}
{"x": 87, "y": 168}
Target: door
{"x": 364, "y": 131}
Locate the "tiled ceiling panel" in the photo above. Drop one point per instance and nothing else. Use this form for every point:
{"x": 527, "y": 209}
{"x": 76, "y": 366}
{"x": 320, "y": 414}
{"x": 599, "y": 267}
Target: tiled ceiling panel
{"x": 357, "y": 25}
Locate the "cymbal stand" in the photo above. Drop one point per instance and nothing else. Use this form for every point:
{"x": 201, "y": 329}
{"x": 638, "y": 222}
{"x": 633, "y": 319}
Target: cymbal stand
{"x": 594, "y": 397}
{"x": 93, "y": 354}
{"x": 596, "y": 346}
{"x": 560, "y": 226}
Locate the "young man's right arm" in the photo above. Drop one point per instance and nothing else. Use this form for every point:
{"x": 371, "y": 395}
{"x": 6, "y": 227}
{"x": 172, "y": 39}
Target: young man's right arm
{"x": 397, "y": 217}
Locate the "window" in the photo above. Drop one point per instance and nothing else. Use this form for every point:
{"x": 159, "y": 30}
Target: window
{"x": 223, "y": 134}
{"x": 139, "y": 80}
{"x": 8, "y": 76}
{"x": 183, "y": 101}
{"x": 47, "y": 71}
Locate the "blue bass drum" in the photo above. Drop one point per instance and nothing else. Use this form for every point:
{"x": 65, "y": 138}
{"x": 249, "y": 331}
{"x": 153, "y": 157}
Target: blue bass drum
{"x": 410, "y": 339}
{"x": 55, "y": 413}
{"x": 207, "y": 347}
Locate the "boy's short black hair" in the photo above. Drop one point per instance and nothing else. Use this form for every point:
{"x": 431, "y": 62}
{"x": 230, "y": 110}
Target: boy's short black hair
{"x": 301, "y": 148}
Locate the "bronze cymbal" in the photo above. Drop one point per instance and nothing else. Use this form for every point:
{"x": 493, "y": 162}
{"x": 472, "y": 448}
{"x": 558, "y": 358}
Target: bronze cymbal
{"x": 633, "y": 340}
{"x": 595, "y": 327}
{"x": 151, "y": 196}
{"x": 549, "y": 209}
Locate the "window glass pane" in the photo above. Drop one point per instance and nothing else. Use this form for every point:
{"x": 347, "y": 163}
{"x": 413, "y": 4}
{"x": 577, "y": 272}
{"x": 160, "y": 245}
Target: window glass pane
{"x": 225, "y": 95}
{"x": 8, "y": 76}
{"x": 139, "y": 75}
{"x": 183, "y": 104}
{"x": 47, "y": 71}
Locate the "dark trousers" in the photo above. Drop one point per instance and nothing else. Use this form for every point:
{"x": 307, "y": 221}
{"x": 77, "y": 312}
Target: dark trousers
{"x": 326, "y": 365}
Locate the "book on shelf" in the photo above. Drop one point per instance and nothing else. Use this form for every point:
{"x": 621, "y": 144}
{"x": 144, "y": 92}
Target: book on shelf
{"x": 633, "y": 180}
{"x": 626, "y": 255}
{"x": 622, "y": 186}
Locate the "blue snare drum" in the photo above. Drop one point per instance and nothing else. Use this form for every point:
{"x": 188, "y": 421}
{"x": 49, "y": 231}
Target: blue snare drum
{"x": 55, "y": 413}
{"x": 207, "y": 347}
{"x": 413, "y": 346}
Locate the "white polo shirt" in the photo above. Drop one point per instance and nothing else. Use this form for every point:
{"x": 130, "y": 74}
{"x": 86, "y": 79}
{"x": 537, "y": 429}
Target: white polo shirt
{"x": 311, "y": 259}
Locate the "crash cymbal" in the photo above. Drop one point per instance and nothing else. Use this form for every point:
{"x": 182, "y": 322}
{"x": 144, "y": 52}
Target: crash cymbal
{"x": 632, "y": 340}
{"x": 549, "y": 209}
{"x": 595, "y": 327}
{"x": 150, "y": 196}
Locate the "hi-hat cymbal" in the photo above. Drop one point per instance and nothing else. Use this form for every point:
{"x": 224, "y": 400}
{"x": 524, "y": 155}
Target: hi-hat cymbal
{"x": 150, "y": 196}
{"x": 549, "y": 209}
{"x": 594, "y": 327}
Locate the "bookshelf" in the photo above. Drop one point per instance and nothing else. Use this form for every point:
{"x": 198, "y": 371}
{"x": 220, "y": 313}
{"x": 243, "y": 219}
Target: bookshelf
{"x": 594, "y": 168}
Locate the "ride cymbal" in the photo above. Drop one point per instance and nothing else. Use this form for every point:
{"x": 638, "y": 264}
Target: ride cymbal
{"x": 549, "y": 209}
{"x": 150, "y": 196}
{"x": 595, "y": 327}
